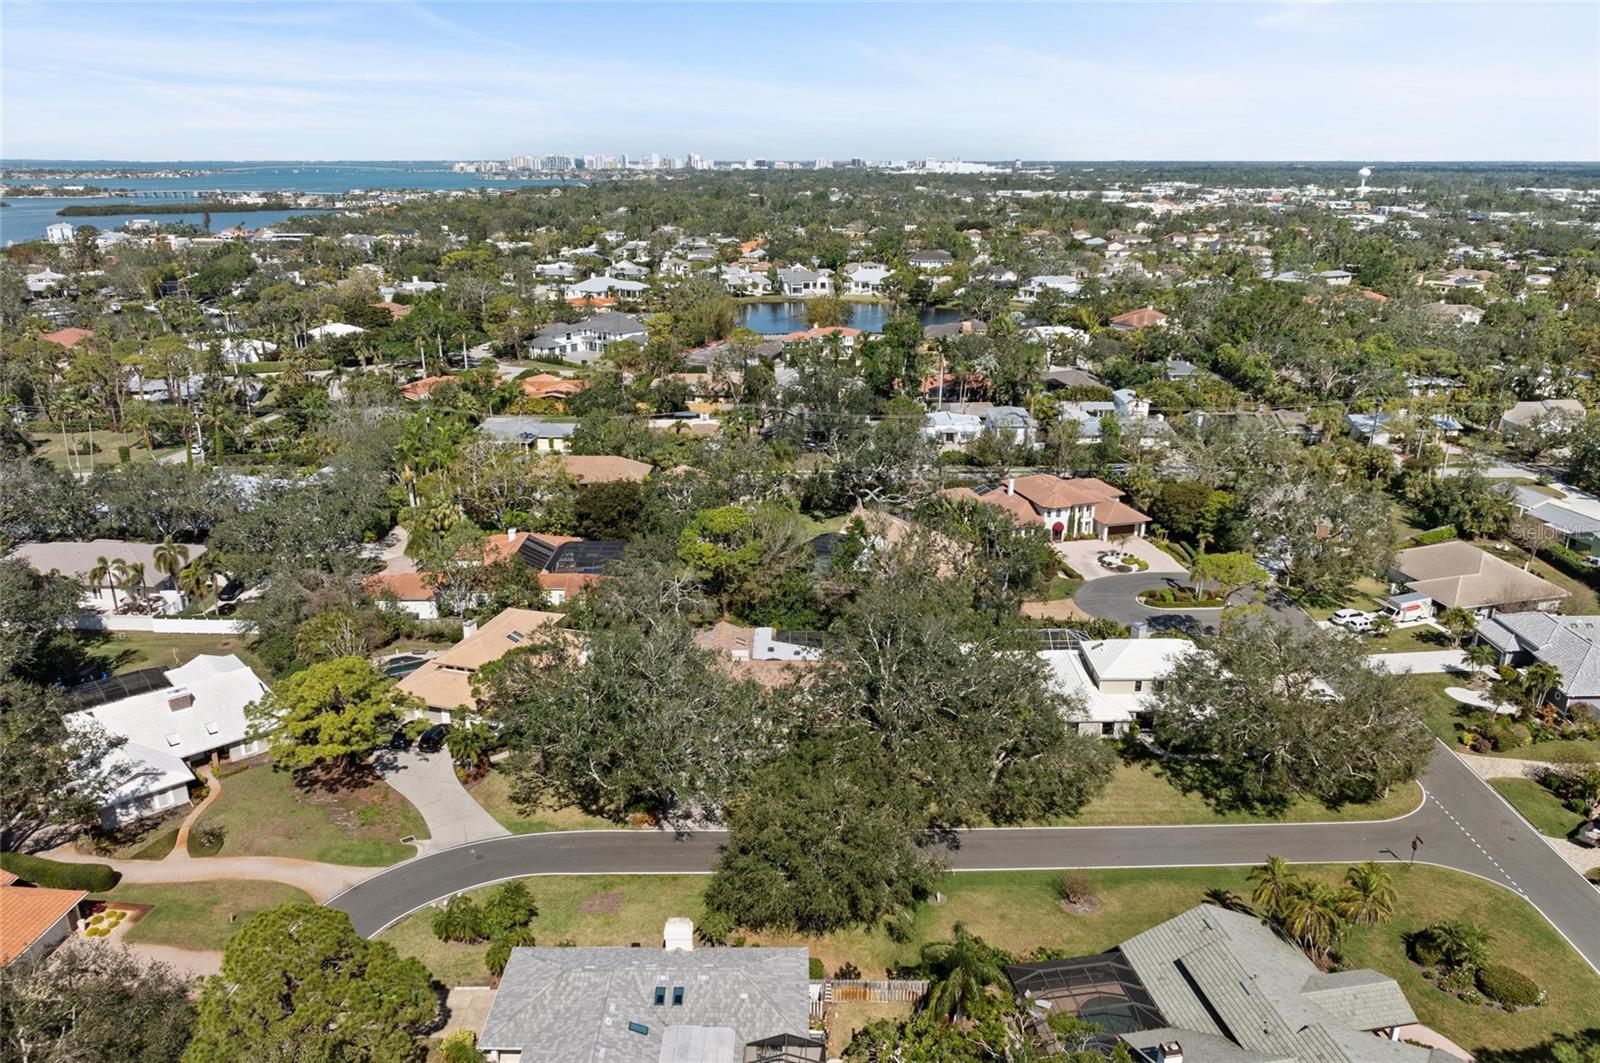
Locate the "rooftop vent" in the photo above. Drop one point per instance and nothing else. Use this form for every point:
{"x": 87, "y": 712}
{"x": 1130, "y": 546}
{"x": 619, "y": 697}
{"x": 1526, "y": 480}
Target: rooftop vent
{"x": 1170, "y": 1052}
{"x": 173, "y": 739}
{"x": 179, "y": 699}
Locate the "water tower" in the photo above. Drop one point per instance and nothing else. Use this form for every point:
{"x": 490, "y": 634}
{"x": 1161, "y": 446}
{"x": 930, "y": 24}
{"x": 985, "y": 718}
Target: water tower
{"x": 1365, "y": 172}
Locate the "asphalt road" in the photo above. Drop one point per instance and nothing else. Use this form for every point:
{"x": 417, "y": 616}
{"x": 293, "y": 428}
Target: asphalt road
{"x": 1462, "y": 824}
{"x": 1117, "y": 598}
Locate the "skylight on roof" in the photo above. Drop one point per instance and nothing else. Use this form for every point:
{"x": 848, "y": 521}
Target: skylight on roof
{"x": 515, "y": 636}
{"x": 638, "y": 1027}
{"x": 173, "y": 739}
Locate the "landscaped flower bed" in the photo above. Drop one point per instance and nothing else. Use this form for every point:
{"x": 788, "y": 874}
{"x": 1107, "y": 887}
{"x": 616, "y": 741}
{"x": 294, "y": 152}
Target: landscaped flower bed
{"x": 1117, "y": 561}
{"x": 1179, "y": 598}
{"x": 103, "y": 922}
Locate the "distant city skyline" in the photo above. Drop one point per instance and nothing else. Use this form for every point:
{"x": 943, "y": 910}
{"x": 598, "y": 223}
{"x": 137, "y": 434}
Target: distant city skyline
{"x": 444, "y": 81}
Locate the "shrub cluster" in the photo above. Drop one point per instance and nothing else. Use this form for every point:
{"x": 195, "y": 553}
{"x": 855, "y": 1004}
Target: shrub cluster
{"x": 1503, "y": 985}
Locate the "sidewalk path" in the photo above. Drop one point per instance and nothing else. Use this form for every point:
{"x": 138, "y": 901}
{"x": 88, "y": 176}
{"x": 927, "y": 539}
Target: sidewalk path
{"x": 428, "y": 781}
{"x": 1434, "y": 661}
{"x": 321, "y": 881}
{"x": 214, "y": 787}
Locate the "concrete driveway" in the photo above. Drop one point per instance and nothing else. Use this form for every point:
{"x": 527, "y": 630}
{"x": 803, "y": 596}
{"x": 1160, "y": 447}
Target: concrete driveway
{"x": 1083, "y": 555}
{"x": 428, "y": 781}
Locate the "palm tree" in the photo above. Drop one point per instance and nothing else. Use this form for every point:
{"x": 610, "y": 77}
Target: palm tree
{"x": 964, "y": 967}
{"x": 1274, "y": 884}
{"x": 99, "y": 575}
{"x": 198, "y": 576}
{"x": 1461, "y": 945}
{"x": 133, "y": 578}
{"x": 1539, "y": 679}
{"x": 1460, "y": 623}
{"x": 119, "y": 578}
{"x": 1311, "y": 914}
{"x": 1368, "y": 896}
{"x": 1482, "y": 655}
{"x": 170, "y": 557}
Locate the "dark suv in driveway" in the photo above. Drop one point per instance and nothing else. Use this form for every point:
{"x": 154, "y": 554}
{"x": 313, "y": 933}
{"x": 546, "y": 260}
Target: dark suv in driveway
{"x": 432, "y": 739}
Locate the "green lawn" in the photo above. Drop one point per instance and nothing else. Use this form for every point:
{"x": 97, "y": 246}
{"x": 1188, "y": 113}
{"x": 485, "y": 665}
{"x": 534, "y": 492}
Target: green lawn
{"x": 1018, "y": 911}
{"x": 1538, "y": 806}
{"x": 198, "y": 915}
{"x": 811, "y": 527}
{"x": 149, "y": 839}
{"x": 127, "y": 651}
{"x": 53, "y": 449}
{"x": 1363, "y": 594}
{"x": 493, "y": 792}
{"x": 264, "y": 813}
{"x": 1141, "y": 793}
{"x": 1419, "y": 638}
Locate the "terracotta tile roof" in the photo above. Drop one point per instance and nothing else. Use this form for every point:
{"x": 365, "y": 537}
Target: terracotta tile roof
{"x": 571, "y": 583}
{"x": 406, "y": 586}
{"x": 603, "y": 468}
{"x": 67, "y": 337}
{"x": 1019, "y": 509}
{"x": 1054, "y": 492}
{"x": 6, "y": 877}
{"x": 29, "y": 913}
{"x": 592, "y": 300}
{"x": 1141, "y": 318}
{"x": 819, "y": 333}
{"x": 726, "y": 638}
{"x": 550, "y": 386}
{"x": 1113, "y": 514}
{"x": 421, "y": 389}
{"x": 500, "y": 547}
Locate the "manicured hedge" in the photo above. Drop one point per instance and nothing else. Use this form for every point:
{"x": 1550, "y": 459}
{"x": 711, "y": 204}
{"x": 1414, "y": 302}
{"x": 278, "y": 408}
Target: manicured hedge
{"x": 1503, "y": 985}
{"x": 53, "y": 874}
{"x": 1435, "y": 535}
{"x": 1569, "y": 561}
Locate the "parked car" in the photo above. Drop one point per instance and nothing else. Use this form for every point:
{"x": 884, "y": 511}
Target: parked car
{"x": 401, "y": 740}
{"x": 1588, "y": 834}
{"x": 1353, "y": 619}
{"x": 432, "y": 739}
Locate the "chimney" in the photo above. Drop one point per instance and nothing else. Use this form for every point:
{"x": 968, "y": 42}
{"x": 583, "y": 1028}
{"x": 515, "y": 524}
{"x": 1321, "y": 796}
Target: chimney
{"x": 679, "y": 934}
{"x": 1011, "y": 485}
{"x": 511, "y": 535}
{"x": 1170, "y": 1052}
{"x": 179, "y": 699}
{"x": 469, "y": 627}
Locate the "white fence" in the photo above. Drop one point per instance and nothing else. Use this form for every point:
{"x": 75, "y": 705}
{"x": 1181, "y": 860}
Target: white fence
{"x": 163, "y": 625}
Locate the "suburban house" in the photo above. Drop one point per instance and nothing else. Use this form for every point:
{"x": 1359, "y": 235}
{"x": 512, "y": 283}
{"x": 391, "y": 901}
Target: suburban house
{"x": 804, "y": 283}
{"x": 952, "y": 429}
{"x": 740, "y": 280}
{"x": 550, "y": 386}
{"x": 1569, "y": 643}
{"x": 1375, "y": 429}
{"x": 605, "y": 287}
{"x": 1077, "y": 508}
{"x": 444, "y": 683}
{"x": 173, "y": 720}
{"x": 865, "y": 278}
{"x": 653, "y": 1005}
{"x": 1108, "y": 681}
{"x": 586, "y": 340}
{"x": 1033, "y": 287}
{"x": 1134, "y": 320}
{"x": 532, "y": 433}
{"x": 1012, "y": 424}
{"x": 334, "y": 330}
{"x": 67, "y": 337}
{"x": 567, "y": 565}
{"x": 1538, "y": 416}
{"x": 1218, "y": 986}
{"x": 1442, "y": 313}
{"x": 930, "y": 261}
{"x": 36, "y": 919}
{"x": 1458, "y": 575}
{"x": 604, "y": 468}
{"x": 1573, "y": 518}
{"x": 768, "y": 656}
{"x": 111, "y": 592}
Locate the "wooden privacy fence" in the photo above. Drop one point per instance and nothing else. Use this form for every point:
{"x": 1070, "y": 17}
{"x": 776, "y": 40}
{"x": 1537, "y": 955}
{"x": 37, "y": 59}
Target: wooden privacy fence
{"x": 897, "y": 991}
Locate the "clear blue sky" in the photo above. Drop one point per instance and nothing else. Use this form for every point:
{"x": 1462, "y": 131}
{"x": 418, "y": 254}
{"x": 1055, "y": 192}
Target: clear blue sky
{"x": 976, "y": 80}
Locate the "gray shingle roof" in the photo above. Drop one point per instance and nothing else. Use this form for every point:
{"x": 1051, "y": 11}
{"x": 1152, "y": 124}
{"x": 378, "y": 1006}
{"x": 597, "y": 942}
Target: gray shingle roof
{"x": 1570, "y": 643}
{"x": 575, "y": 1005}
